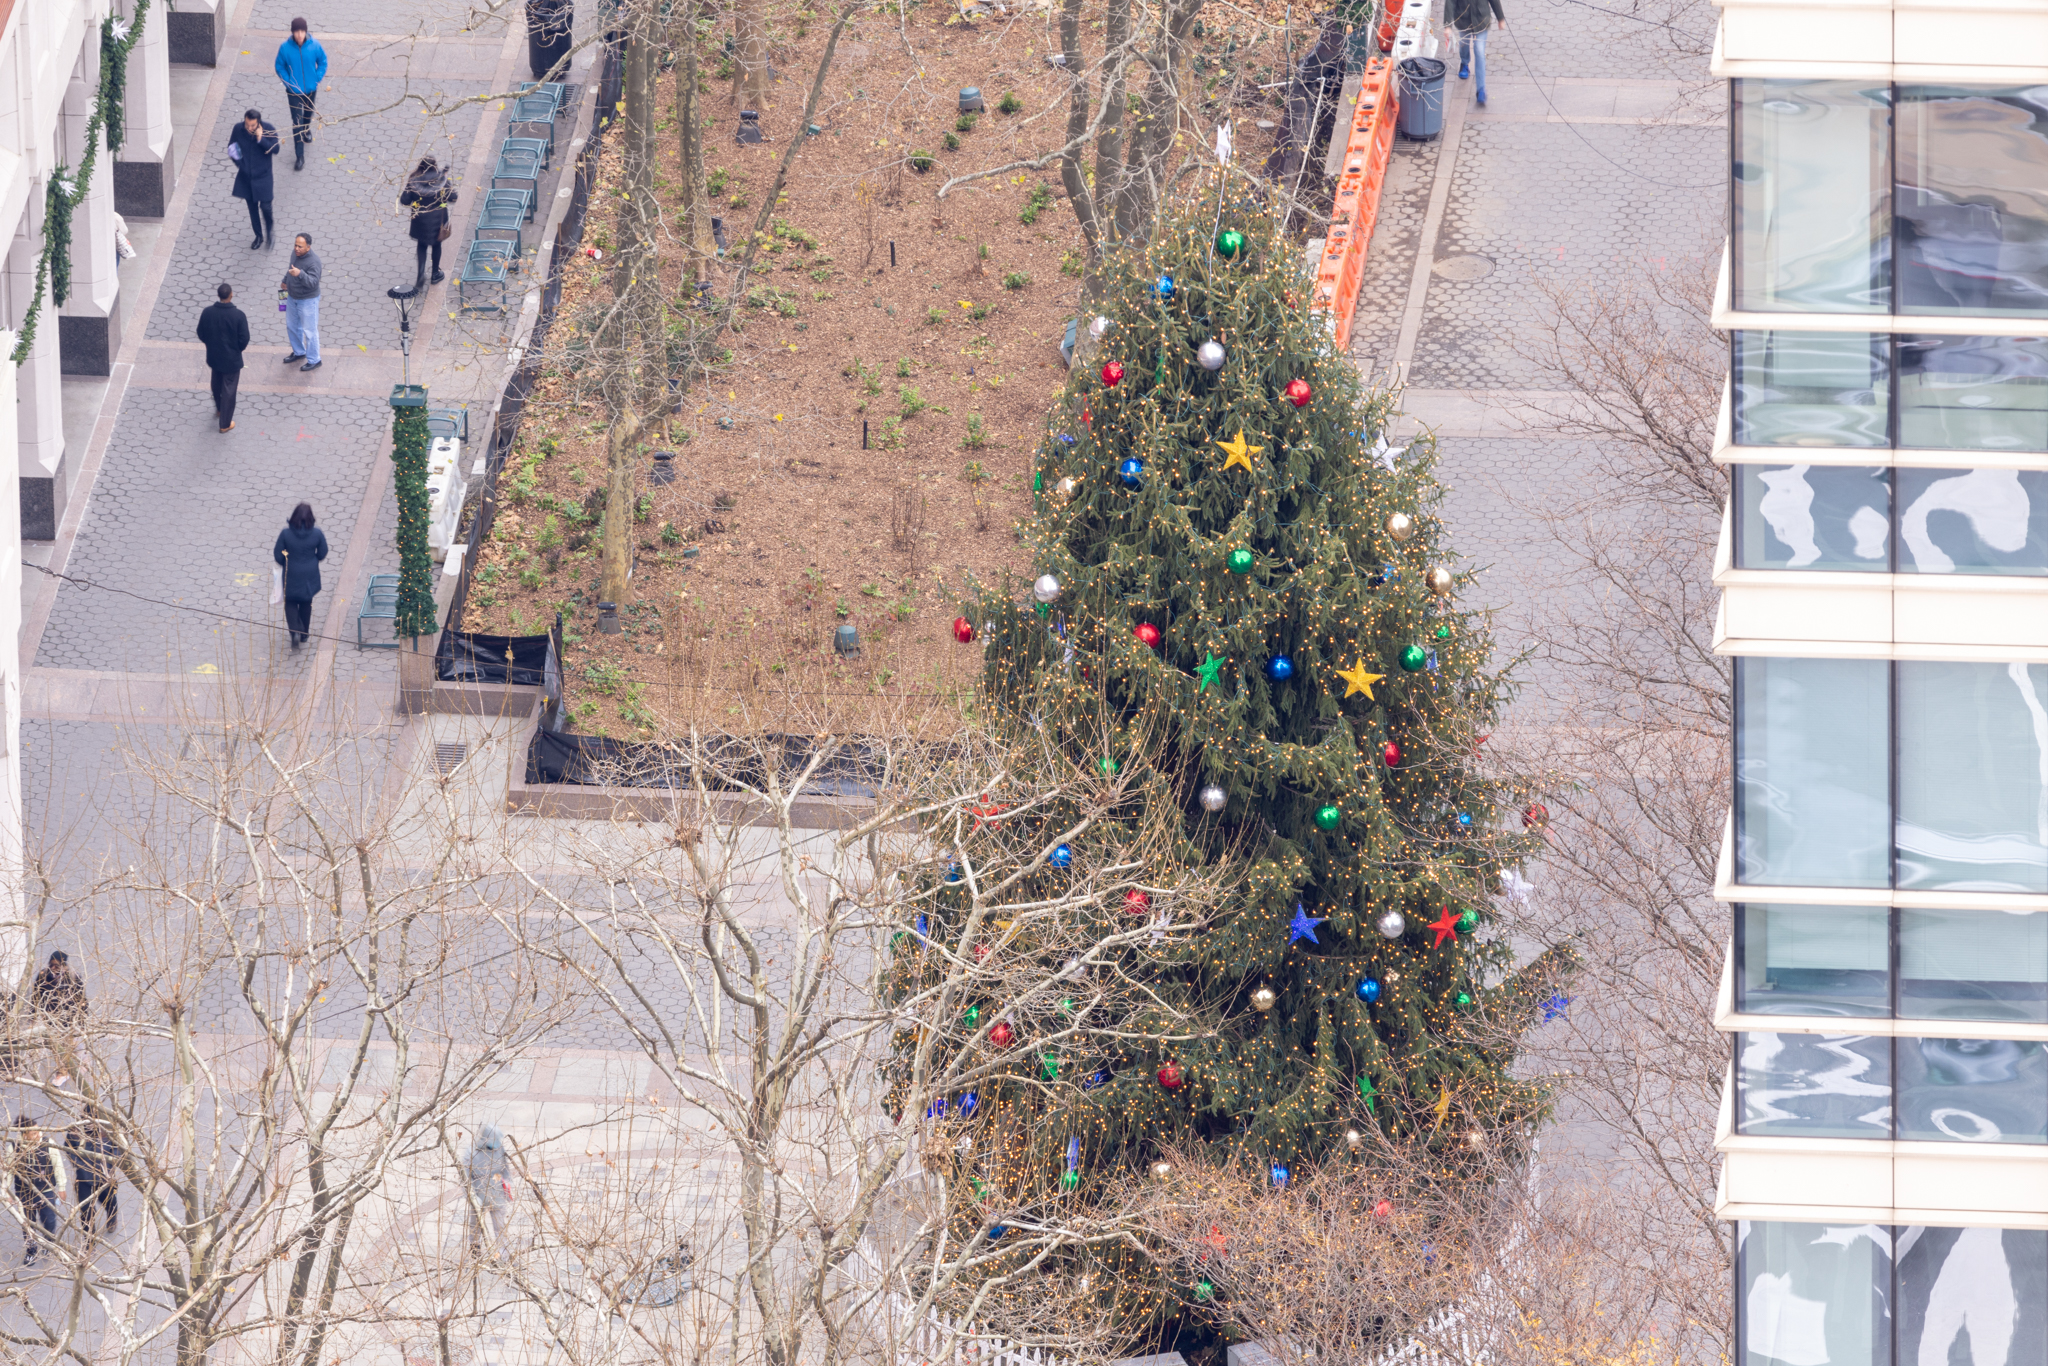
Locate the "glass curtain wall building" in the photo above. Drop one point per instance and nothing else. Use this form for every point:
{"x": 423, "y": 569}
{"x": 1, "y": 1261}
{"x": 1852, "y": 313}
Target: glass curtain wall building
{"x": 1884, "y": 577}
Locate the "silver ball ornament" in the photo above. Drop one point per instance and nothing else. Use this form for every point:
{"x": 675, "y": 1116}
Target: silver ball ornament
{"x": 1210, "y": 354}
{"x": 1392, "y": 924}
{"x": 1400, "y": 526}
{"x": 1439, "y": 580}
{"x": 1097, "y": 326}
{"x": 1066, "y": 489}
{"x": 1353, "y": 1139}
{"x": 1263, "y": 998}
{"x": 1046, "y": 589}
{"x": 1214, "y": 798}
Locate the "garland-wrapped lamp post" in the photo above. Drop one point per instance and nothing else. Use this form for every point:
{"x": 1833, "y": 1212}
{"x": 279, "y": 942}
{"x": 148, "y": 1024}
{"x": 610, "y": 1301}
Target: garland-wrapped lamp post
{"x": 410, "y": 441}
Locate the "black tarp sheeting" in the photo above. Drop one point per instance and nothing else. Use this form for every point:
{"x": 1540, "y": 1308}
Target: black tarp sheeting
{"x": 733, "y": 763}
{"x": 470, "y": 657}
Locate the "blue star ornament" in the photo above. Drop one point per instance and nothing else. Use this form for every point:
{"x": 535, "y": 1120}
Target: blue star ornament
{"x": 1554, "y": 1008}
{"x": 1304, "y": 926}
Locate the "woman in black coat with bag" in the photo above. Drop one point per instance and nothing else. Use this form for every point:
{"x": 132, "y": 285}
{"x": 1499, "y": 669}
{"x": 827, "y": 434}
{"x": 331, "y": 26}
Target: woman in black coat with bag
{"x": 300, "y": 548}
{"x": 251, "y": 146}
{"x": 428, "y": 194}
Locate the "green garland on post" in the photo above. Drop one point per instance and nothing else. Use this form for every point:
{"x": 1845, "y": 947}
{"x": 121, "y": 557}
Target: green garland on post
{"x": 410, "y": 442}
{"x": 67, "y": 191}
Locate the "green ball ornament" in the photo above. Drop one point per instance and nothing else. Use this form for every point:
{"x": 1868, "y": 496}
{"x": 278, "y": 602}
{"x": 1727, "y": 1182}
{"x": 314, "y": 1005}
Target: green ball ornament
{"x": 1240, "y": 561}
{"x": 1468, "y": 922}
{"x": 1108, "y": 767}
{"x": 1328, "y": 818}
{"x": 1413, "y": 658}
{"x": 1204, "y": 1291}
{"x": 973, "y": 1016}
{"x": 1229, "y": 243}
{"x": 1443, "y": 633}
{"x": 1069, "y": 1180}
{"x": 1464, "y": 999}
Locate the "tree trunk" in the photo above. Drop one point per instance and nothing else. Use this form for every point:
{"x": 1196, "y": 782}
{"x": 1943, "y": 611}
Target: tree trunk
{"x": 638, "y": 213}
{"x": 622, "y": 447}
{"x": 696, "y": 207}
{"x": 1109, "y": 137}
{"x": 1072, "y": 174}
{"x": 750, "y": 41}
{"x": 1151, "y": 142}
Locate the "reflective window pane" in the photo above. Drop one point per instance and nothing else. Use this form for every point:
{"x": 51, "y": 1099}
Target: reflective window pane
{"x": 1833, "y": 517}
{"x": 1972, "y": 1091}
{"x": 1973, "y": 1296}
{"x": 1973, "y": 199}
{"x": 1812, "y": 189}
{"x": 1814, "y": 1085}
{"x": 1814, "y": 1294}
{"x": 1973, "y": 965}
{"x": 1812, "y": 772}
{"x": 1812, "y": 389}
{"x": 1973, "y": 393}
{"x": 1973, "y": 521}
{"x": 1813, "y": 960}
{"x": 1973, "y": 776}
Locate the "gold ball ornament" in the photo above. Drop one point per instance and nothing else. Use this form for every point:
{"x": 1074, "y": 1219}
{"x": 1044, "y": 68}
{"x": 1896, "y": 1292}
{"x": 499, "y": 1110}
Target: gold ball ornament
{"x": 1400, "y": 526}
{"x": 1439, "y": 580}
{"x": 1067, "y": 489}
{"x": 1263, "y": 999}
{"x": 1353, "y": 1139}
{"x": 1162, "y": 1170}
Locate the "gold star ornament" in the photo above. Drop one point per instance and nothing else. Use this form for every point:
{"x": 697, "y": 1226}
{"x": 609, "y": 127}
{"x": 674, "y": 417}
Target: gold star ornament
{"x": 1357, "y": 680}
{"x": 1239, "y": 453}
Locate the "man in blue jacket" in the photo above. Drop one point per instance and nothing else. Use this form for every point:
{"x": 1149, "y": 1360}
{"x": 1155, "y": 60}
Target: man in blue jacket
{"x": 301, "y": 65}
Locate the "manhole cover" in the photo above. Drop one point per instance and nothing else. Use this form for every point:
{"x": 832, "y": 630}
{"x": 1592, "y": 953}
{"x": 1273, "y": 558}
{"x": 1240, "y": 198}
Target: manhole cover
{"x": 1464, "y": 267}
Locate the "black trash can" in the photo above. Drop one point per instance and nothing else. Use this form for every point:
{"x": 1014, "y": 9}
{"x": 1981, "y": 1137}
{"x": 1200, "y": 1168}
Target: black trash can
{"x": 548, "y": 26}
{"x": 1422, "y": 98}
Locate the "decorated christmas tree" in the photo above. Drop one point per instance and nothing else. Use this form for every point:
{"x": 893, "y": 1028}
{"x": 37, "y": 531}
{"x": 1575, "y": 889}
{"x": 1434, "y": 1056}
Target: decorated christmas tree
{"x": 1246, "y": 628}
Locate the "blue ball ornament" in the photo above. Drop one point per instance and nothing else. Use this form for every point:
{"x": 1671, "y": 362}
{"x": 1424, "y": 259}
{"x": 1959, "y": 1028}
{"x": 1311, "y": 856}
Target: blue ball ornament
{"x": 1280, "y": 1174}
{"x": 1132, "y": 472}
{"x": 968, "y": 1102}
{"x": 1061, "y": 857}
{"x": 1279, "y": 668}
{"x": 953, "y": 872}
{"x": 1165, "y": 287}
{"x": 1368, "y": 990}
{"x": 1464, "y": 818}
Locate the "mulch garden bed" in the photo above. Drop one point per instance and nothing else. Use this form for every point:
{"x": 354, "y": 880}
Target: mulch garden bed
{"x": 933, "y": 324}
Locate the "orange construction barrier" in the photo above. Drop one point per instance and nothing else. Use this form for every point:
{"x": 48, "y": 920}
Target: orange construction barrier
{"x": 1357, "y": 205}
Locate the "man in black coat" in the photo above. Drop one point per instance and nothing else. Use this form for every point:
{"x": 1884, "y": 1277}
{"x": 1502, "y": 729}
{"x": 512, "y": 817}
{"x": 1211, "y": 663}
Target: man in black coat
{"x": 251, "y": 146}
{"x": 225, "y": 330}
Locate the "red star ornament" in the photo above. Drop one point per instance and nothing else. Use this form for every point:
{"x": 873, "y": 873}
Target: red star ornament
{"x": 1446, "y": 927}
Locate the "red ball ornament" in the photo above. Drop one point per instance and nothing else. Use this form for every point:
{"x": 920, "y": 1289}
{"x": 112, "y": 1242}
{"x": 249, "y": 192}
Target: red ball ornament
{"x": 1534, "y": 815}
{"x": 1112, "y": 372}
{"x": 963, "y": 630}
{"x": 1170, "y": 1076}
{"x": 1137, "y": 902}
{"x": 980, "y": 952}
{"x": 1002, "y": 1036}
{"x": 1148, "y": 633}
{"x": 1383, "y": 1208}
{"x": 1298, "y": 393}
{"x": 1391, "y": 752}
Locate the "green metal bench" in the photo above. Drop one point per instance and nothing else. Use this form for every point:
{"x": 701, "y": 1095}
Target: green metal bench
{"x": 379, "y": 603}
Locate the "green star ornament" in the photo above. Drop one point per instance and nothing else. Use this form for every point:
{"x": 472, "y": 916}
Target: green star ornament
{"x": 1208, "y": 669}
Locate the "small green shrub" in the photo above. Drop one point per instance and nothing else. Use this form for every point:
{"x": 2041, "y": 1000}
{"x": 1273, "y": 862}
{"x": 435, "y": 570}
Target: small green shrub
{"x": 922, "y": 161}
{"x": 1039, "y": 201}
{"x": 976, "y": 438}
{"x": 913, "y": 402}
{"x": 603, "y": 676}
{"x": 935, "y": 315}
{"x": 1010, "y": 103}
{"x": 643, "y": 507}
{"x": 903, "y": 370}
{"x": 980, "y": 311}
{"x": 530, "y": 578}
{"x": 1016, "y": 279}
{"x": 952, "y": 143}
{"x": 717, "y": 180}
{"x": 891, "y": 435}
{"x": 550, "y": 537}
{"x": 965, "y": 123}
{"x": 1073, "y": 263}
{"x": 669, "y": 534}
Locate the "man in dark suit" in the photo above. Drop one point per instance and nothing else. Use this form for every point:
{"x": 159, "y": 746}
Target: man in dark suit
{"x": 251, "y": 146}
{"x": 225, "y": 330}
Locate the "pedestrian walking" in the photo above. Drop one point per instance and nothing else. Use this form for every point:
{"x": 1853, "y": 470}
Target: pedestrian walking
{"x": 225, "y": 330}
{"x": 301, "y": 65}
{"x": 93, "y": 1155}
{"x": 490, "y": 1186}
{"x": 35, "y": 1187}
{"x": 300, "y": 548}
{"x": 251, "y": 146}
{"x": 428, "y": 194}
{"x": 301, "y": 285}
{"x": 58, "y": 995}
{"x": 1469, "y": 21}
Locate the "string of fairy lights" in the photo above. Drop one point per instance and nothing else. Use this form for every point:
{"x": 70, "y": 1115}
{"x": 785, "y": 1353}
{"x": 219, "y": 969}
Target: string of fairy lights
{"x": 1242, "y": 593}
